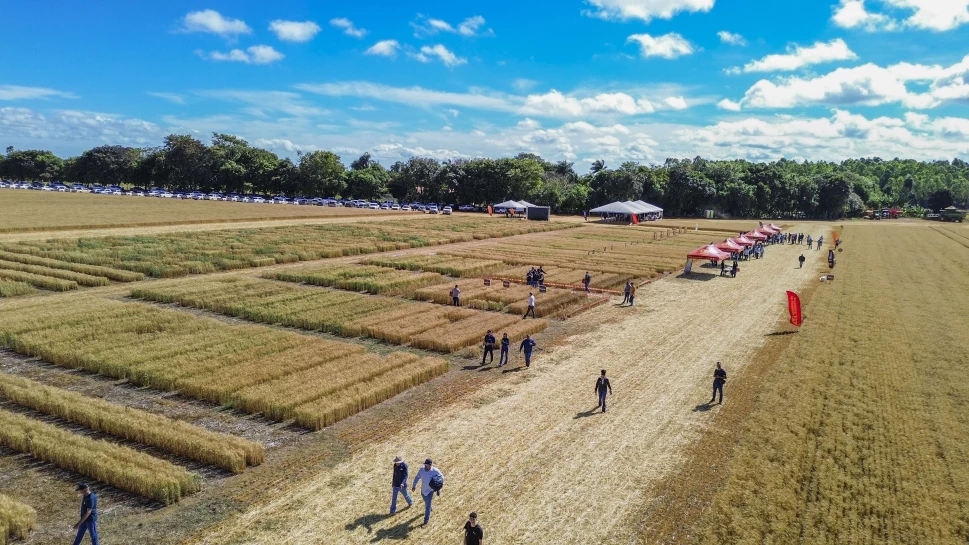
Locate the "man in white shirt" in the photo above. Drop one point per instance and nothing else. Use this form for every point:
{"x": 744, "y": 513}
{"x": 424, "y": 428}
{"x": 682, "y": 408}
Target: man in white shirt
{"x": 531, "y": 306}
{"x": 456, "y": 296}
{"x": 425, "y": 475}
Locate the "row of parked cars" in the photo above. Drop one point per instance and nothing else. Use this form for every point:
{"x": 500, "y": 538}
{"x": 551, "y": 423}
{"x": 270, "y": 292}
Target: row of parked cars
{"x": 233, "y": 197}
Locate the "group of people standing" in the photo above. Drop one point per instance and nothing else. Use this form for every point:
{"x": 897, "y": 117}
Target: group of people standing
{"x": 535, "y": 277}
{"x": 527, "y": 345}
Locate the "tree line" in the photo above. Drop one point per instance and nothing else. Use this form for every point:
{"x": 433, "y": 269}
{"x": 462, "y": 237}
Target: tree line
{"x": 683, "y": 187}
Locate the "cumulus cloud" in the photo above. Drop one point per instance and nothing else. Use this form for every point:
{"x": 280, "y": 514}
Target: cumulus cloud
{"x": 934, "y": 15}
{"x": 19, "y": 92}
{"x": 212, "y": 22}
{"x": 645, "y": 10}
{"x": 868, "y": 85}
{"x": 730, "y": 38}
{"x": 348, "y": 27}
{"x": 68, "y": 127}
{"x": 446, "y": 56}
{"x": 472, "y": 26}
{"x": 383, "y": 48}
{"x": 556, "y": 104}
{"x": 257, "y": 54}
{"x": 676, "y": 103}
{"x": 799, "y": 57}
{"x": 294, "y": 31}
{"x": 280, "y": 145}
{"x": 667, "y": 46}
{"x": 729, "y": 105}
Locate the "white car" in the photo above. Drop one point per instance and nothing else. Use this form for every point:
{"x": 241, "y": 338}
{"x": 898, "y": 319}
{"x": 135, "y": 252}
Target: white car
{"x": 374, "y": 206}
{"x": 446, "y": 211}
{"x": 259, "y": 200}
{"x": 395, "y": 207}
{"x": 432, "y": 209}
{"x": 166, "y": 195}
{"x": 405, "y": 208}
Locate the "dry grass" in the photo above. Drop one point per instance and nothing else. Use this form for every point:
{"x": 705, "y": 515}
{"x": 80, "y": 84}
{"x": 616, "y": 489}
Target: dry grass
{"x": 225, "y": 451}
{"x": 38, "y": 281}
{"x": 93, "y": 270}
{"x": 115, "y": 465}
{"x": 443, "y": 264}
{"x": 12, "y": 288}
{"x": 81, "y": 278}
{"x": 240, "y": 366}
{"x": 513, "y": 299}
{"x": 369, "y": 279}
{"x": 860, "y": 435}
{"x": 50, "y": 211}
{"x": 16, "y": 519}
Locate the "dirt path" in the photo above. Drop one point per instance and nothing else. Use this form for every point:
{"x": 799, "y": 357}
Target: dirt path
{"x": 528, "y": 452}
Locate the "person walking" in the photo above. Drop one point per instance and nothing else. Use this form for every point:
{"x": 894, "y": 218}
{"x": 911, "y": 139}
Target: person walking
{"x": 489, "y": 348}
{"x": 585, "y": 215}
{"x": 531, "y": 306}
{"x": 586, "y": 281}
{"x": 89, "y": 515}
{"x": 809, "y": 242}
{"x": 603, "y": 387}
{"x": 632, "y": 293}
{"x": 820, "y": 241}
{"x": 625, "y": 293}
{"x": 399, "y": 484}
{"x": 456, "y": 296}
{"x": 473, "y": 533}
{"x": 505, "y": 345}
{"x": 719, "y": 379}
{"x": 526, "y": 346}
{"x": 425, "y": 475}
{"x": 801, "y": 261}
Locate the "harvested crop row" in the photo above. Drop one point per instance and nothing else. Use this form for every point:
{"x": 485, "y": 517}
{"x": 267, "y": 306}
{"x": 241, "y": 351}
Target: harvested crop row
{"x": 181, "y": 438}
{"x": 115, "y": 465}
{"x": 439, "y": 263}
{"x": 252, "y": 367}
{"x": 81, "y": 278}
{"x": 93, "y": 270}
{"x": 370, "y": 279}
{"x": 16, "y": 519}
{"x": 38, "y": 281}
{"x": 11, "y": 288}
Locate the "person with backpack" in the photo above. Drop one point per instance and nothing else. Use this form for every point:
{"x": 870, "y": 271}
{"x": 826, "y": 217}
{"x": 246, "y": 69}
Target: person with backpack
{"x": 432, "y": 481}
{"x": 489, "y": 348}
{"x": 526, "y": 346}
{"x": 603, "y": 387}
{"x": 473, "y": 533}
{"x": 399, "y": 484}
{"x": 505, "y": 345}
{"x": 456, "y": 296}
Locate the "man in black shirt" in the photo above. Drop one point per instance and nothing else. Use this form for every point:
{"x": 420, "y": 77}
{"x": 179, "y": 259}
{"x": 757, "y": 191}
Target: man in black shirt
{"x": 489, "y": 348}
{"x": 603, "y": 387}
{"x": 89, "y": 515}
{"x": 719, "y": 378}
{"x": 505, "y": 345}
{"x": 473, "y": 533}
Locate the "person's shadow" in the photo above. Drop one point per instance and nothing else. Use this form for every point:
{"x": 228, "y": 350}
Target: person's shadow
{"x": 586, "y": 414}
{"x": 398, "y": 532}
{"x": 703, "y": 408}
{"x": 367, "y": 521}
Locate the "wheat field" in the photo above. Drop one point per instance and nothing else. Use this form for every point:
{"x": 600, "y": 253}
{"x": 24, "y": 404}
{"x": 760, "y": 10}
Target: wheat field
{"x": 16, "y": 519}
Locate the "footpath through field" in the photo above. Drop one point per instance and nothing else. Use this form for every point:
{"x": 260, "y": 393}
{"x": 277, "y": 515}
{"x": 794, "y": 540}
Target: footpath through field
{"x": 529, "y": 452}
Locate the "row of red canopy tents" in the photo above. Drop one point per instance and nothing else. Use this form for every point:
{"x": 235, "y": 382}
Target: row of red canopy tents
{"x": 722, "y": 251}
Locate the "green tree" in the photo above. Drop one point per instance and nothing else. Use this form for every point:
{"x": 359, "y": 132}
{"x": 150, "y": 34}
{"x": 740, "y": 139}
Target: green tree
{"x": 321, "y": 174}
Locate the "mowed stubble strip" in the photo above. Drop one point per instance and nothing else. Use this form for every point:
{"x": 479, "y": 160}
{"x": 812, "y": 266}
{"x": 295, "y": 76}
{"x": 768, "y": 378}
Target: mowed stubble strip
{"x": 859, "y": 432}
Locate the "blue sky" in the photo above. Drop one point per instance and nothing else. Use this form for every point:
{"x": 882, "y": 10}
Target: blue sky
{"x": 638, "y": 80}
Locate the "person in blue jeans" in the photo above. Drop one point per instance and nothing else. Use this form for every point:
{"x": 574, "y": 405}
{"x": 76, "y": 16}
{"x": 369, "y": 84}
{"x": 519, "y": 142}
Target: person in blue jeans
{"x": 603, "y": 387}
{"x": 526, "y": 346}
{"x": 505, "y": 345}
{"x": 425, "y": 475}
{"x": 89, "y": 515}
{"x": 400, "y": 484}
{"x": 719, "y": 379}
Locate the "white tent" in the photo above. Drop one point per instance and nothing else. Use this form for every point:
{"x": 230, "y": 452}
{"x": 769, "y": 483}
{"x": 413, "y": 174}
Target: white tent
{"x": 651, "y": 207}
{"x": 527, "y": 204}
{"x": 616, "y": 208}
{"x": 510, "y": 205}
{"x": 642, "y": 209}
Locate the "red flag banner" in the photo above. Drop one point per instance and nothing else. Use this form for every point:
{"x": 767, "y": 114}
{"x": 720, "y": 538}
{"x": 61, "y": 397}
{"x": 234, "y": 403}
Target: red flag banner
{"x": 794, "y": 306}
{"x": 491, "y": 211}
{"x": 635, "y": 220}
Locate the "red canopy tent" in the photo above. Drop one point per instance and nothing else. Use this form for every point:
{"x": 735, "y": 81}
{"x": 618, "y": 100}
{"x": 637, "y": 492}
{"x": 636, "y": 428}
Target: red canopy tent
{"x": 730, "y": 246}
{"x": 742, "y": 240}
{"x": 766, "y": 231}
{"x": 709, "y": 253}
{"x": 776, "y": 228}
{"x": 754, "y": 235}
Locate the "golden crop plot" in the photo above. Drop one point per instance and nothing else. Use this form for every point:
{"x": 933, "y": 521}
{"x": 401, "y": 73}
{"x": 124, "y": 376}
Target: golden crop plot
{"x": 16, "y": 519}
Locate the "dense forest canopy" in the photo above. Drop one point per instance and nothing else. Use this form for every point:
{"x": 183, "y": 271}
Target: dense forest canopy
{"x": 683, "y": 187}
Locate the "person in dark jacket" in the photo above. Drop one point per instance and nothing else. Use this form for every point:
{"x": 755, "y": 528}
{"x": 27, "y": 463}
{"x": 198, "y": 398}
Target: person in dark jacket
{"x": 400, "y": 484}
{"x": 603, "y": 387}
{"x": 719, "y": 379}
{"x": 89, "y": 515}
{"x": 586, "y": 281}
{"x": 505, "y": 345}
{"x": 801, "y": 261}
{"x": 489, "y": 348}
{"x": 526, "y": 346}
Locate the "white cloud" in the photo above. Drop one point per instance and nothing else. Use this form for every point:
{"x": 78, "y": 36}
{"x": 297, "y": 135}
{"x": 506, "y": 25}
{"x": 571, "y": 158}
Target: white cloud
{"x": 472, "y": 26}
{"x": 731, "y": 39}
{"x": 257, "y": 54}
{"x": 667, "y": 46}
{"x": 18, "y": 92}
{"x": 676, "y": 103}
{"x": 869, "y": 85}
{"x": 645, "y": 10}
{"x": 294, "y": 31}
{"x": 348, "y": 28}
{"x": 523, "y": 85}
{"x": 729, "y": 105}
{"x": 412, "y": 96}
{"x": 213, "y": 22}
{"x": 261, "y": 101}
{"x": 383, "y": 48}
{"x": 799, "y": 57}
{"x": 75, "y": 129}
{"x": 443, "y": 54}
{"x": 934, "y": 15}
{"x": 556, "y": 104}
{"x": 454, "y": 112}
{"x": 171, "y": 97}
{"x": 277, "y": 144}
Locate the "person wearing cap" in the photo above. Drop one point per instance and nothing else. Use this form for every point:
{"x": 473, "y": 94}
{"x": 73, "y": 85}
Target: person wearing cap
{"x": 473, "y": 533}
{"x": 89, "y": 515}
{"x": 456, "y": 296}
{"x": 526, "y": 346}
{"x": 531, "y": 305}
{"x": 400, "y": 484}
{"x": 603, "y": 387}
{"x": 489, "y": 348}
{"x": 505, "y": 345}
{"x": 719, "y": 378}
{"x": 425, "y": 475}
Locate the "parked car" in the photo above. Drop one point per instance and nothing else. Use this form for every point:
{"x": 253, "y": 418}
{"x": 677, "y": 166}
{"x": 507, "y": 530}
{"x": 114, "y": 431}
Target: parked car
{"x": 385, "y": 206}
{"x": 446, "y": 211}
{"x": 373, "y": 206}
{"x": 405, "y": 208}
{"x": 432, "y": 209}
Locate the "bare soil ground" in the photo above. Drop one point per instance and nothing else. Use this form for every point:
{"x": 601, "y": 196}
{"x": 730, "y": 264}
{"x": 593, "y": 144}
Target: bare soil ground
{"x": 528, "y": 450}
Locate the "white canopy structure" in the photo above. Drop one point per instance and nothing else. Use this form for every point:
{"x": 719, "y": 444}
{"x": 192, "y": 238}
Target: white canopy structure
{"x": 527, "y": 204}
{"x": 651, "y": 207}
{"x": 511, "y": 205}
{"x": 617, "y": 208}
